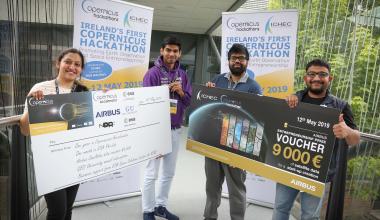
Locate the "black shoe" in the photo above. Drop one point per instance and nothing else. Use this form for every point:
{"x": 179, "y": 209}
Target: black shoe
{"x": 162, "y": 212}
{"x": 149, "y": 216}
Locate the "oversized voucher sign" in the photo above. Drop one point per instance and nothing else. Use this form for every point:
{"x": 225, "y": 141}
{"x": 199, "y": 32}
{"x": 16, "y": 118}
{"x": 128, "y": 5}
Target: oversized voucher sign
{"x": 264, "y": 136}
{"x": 270, "y": 37}
{"x": 115, "y": 39}
{"x": 77, "y": 137}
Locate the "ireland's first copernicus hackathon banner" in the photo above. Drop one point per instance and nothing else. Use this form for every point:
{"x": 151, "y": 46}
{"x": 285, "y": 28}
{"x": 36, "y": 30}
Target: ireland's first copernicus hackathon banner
{"x": 270, "y": 38}
{"x": 115, "y": 39}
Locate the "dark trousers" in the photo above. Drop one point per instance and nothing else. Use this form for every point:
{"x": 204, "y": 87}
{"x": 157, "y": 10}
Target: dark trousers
{"x": 216, "y": 172}
{"x": 60, "y": 203}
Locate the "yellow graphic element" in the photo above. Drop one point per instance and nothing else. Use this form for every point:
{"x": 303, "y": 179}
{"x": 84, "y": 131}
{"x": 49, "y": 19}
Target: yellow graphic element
{"x": 173, "y": 110}
{"x": 317, "y": 161}
{"x": 47, "y": 127}
{"x": 295, "y": 181}
{"x": 278, "y": 84}
{"x": 129, "y": 77}
{"x": 285, "y": 124}
{"x": 173, "y": 106}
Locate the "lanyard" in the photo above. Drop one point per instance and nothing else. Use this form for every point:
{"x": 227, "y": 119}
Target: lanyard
{"x": 57, "y": 88}
{"x": 166, "y": 74}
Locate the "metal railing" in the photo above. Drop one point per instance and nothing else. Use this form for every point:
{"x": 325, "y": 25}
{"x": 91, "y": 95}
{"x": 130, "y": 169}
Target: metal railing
{"x": 23, "y": 199}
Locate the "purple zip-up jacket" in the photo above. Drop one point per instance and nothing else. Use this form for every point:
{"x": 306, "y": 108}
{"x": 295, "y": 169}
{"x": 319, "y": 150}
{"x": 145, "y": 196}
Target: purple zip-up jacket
{"x": 159, "y": 75}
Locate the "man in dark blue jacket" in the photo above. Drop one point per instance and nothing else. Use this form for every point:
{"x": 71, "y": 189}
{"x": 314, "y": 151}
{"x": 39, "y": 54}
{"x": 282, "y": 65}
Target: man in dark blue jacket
{"x": 236, "y": 79}
{"x": 317, "y": 80}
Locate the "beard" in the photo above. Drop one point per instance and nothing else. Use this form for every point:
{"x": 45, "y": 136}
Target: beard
{"x": 237, "y": 71}
{"x": 317, "y": 91}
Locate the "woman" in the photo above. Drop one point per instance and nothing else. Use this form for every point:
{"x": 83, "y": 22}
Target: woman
{"x": 70, "y": 64}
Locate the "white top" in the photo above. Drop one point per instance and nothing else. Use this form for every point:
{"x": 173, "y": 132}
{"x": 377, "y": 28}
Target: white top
{"x": 47, "y": 88}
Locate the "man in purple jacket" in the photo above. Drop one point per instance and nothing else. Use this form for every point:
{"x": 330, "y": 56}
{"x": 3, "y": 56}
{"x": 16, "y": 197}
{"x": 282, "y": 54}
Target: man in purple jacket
{"x": 166, "y": 71}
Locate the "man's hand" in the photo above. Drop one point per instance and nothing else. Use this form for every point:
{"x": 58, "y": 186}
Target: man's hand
{"x": 210, "y": 84}
{"x": 341, "y": 130}
{"x": 36, "y": 94}
{"x": 292, "y": 101}
{"x": 176, "y": 87}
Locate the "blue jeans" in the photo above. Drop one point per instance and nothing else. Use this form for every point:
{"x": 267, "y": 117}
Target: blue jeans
{"x": 285, "y": 196}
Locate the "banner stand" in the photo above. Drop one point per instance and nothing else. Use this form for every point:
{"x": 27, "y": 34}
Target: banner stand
{"x": 109, "y": 198}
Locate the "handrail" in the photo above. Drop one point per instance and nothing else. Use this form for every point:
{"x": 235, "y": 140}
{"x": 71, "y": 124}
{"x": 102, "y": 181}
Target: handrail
{"x": 16, "y": 118}
{"x": 12, "y": 120}
{"x": 370, "y": 137}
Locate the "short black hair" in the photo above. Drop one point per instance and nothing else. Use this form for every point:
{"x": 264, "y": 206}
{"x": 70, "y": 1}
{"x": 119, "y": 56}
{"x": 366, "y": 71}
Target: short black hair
{"x": 171, "y": 39}
{"x": 238, "y": 48}
{"x": 318, "y": 62}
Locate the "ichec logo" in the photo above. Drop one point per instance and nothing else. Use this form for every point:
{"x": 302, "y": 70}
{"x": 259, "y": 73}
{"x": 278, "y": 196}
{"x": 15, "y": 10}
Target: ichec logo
{"x": 34, "y": 102}
{"x": 276, "y": 24}
{"x": 129, "y": 18}
{"x": 201, "y": 96}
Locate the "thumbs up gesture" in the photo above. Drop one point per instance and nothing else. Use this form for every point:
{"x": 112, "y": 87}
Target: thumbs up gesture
{"x": 341, "y": 130}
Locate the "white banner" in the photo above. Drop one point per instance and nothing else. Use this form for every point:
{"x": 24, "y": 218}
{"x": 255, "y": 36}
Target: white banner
{"x": 77, "y": 137}
{"x": 121, "y": 184}
{"x": 270, "y": 37}
{"x": 115, "y": 39}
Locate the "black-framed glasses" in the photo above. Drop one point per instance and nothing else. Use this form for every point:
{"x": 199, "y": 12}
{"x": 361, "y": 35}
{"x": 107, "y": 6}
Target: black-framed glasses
{"x": 312, "y": 74}
{"x": 240, "y": 58}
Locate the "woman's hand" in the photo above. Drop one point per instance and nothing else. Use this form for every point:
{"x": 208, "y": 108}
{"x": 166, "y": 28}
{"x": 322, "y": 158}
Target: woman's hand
{"x": 36, "y": 94}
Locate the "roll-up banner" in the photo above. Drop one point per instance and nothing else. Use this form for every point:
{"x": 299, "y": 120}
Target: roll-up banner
{"x": 270, "y": 37}
{"x": 115, "y": 38}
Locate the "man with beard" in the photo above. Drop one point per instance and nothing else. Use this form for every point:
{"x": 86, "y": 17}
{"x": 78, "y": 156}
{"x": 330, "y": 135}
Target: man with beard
{"x": 317, "y": 80}
{"x": 236, "y": 79}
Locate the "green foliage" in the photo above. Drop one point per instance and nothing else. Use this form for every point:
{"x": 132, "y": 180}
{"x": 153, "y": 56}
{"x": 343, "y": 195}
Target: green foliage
{"x": 367, "y": 170}
{"x": 327, "y": 30}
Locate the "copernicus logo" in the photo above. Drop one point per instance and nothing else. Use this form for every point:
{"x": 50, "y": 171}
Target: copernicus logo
{"x": 108, "y": 113}
{"x": 230, "y": 101}
{"x": 129, "y": 18}
{"x": 34, "y": 102}
{"x": 104, "y": 97}
{"x": 99, "y": 12}
{"x": 201, "y": 96}
{"x": 234, "y": 24}
{"x": 274, "y": 24}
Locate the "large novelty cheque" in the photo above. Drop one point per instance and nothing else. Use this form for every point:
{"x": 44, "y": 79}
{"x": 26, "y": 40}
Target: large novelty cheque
{"x": 264, "y": 136}
{"x": 80, "y": 136}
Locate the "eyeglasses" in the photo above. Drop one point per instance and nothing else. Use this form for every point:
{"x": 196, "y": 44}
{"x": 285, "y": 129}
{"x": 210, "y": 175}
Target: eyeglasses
{"x": 320, "y": 74}
{"x": 240, "y": 58}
